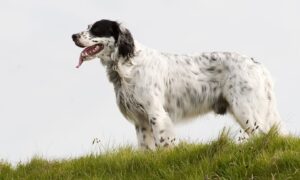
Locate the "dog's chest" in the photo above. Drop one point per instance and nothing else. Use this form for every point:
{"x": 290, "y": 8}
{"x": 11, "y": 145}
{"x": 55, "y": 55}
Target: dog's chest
{"x": 126, "y": 96}
{"x": 129, "y": 106}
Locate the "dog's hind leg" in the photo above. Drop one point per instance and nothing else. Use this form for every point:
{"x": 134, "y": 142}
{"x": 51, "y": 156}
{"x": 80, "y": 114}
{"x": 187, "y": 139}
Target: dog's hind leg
{"x": 254, "y": 111}
{"x": 247, "y": 118}
{"x": 247, "y": 106}
{"x": 254, "y": 105}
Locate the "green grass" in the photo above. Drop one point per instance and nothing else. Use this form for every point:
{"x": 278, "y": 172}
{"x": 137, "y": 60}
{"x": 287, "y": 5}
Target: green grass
{"x": 264, "y": 157}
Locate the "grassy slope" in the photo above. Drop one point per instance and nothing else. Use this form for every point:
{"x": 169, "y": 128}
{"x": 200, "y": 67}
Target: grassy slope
{"x": 262, "y": 157}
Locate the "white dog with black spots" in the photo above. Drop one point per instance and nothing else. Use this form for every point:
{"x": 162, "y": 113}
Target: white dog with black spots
{"x": 154, "y": 90}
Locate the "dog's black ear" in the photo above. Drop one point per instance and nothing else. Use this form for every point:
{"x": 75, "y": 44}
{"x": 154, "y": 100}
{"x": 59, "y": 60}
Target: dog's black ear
{"x": 125, "y": 42}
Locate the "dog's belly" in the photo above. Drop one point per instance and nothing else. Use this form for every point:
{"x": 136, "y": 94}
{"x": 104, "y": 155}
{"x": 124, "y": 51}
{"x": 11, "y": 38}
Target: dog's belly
{"x": 186, "y": 107}
{"x": 187, "y": 112}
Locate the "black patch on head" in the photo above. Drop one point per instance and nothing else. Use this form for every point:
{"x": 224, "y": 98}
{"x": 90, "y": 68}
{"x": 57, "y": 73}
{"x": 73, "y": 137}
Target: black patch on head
{"x": 123, "y": 38}
{"x": 105, "y": 28}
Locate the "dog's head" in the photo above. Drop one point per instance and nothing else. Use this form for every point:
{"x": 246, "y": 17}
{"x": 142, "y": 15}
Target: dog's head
{"x": 104, "y": 39}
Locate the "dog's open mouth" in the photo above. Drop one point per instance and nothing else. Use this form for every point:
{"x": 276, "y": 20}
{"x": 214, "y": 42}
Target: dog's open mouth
{"x": 89, "y": 52}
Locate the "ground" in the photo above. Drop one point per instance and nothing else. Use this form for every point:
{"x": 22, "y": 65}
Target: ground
{"x": 264, "y": 157}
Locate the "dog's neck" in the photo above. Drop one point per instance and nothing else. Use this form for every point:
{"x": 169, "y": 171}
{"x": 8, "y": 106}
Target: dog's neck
{"x": 113, "y": 74}
{"x": 116, "y": 67}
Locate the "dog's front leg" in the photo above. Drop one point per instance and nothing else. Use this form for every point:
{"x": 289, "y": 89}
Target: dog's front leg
{"x": 144, "y": 135}
{"x": 163, "y": 129}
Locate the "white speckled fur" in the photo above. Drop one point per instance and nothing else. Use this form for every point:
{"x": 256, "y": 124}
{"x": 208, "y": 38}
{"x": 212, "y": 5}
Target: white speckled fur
{"x": 154, "y": 90}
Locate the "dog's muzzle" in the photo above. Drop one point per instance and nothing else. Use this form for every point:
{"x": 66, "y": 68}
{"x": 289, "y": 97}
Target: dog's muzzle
{"x": 87, "y": 52}
{"x": 75, "y": 38}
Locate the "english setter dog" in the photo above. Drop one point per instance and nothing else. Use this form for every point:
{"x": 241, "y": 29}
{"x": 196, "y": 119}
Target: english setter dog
{"x": 154, "y": 89}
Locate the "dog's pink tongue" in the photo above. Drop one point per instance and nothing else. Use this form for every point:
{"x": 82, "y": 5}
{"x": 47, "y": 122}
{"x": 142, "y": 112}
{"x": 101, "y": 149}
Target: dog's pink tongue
{"x": 80, "y": 61}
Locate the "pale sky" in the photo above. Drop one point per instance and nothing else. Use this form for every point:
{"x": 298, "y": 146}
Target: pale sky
{"x": 51, "y": 109}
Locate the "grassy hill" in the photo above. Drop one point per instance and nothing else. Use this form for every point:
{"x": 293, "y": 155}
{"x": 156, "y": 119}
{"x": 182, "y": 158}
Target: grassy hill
{"x": 263, "y": 157}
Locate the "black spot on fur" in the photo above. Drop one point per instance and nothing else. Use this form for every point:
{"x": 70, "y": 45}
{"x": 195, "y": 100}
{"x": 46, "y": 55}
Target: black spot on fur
{"x": 140, "y": 107}
{"x": 254, "y": 61}
{"x": 213, "y": 58}
{"x": 178, "y": 103}
{"x": 246, "y": 130}
{"x": 220, "y": 106}
{"x": 187, "y": 61}
{"x": 269, "y": 96}
{"x": 113, "y": 75}
{"x": 247, "y": 121}
{"x": 152, "y": 122}
{"x": 161, "y": 139}
{"x": 210, "y": 69}
{"x": 153, "y": 119}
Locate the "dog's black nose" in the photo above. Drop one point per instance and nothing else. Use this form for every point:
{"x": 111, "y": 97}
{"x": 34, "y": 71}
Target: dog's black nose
{"x": 75, "y": 36}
